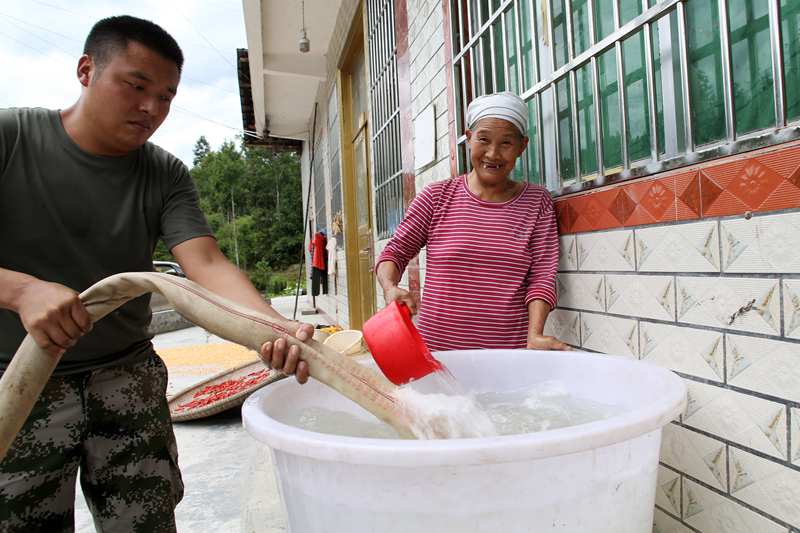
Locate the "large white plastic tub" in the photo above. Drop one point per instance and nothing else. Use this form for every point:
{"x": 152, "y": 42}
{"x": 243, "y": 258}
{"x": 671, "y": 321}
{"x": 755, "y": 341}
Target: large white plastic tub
{"x": 592, "y": 478}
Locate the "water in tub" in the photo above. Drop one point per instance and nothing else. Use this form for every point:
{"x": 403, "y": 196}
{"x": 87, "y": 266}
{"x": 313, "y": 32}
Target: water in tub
{"x": 439, "y": 406}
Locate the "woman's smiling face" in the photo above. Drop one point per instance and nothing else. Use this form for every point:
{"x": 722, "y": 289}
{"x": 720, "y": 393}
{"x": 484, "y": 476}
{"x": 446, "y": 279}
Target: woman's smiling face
{"x": 495, "y": 144}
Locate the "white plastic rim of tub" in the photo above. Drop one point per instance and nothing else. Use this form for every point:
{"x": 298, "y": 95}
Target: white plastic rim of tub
{"x": 651, "y": 416}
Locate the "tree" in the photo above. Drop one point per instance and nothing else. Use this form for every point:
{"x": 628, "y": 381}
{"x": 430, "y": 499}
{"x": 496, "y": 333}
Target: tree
{"x": 253, "y": 201}
{"x": 200, "y": 150}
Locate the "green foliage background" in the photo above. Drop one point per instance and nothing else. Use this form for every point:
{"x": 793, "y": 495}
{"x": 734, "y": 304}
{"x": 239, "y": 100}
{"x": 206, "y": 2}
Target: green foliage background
{"x": 253, "y": 201}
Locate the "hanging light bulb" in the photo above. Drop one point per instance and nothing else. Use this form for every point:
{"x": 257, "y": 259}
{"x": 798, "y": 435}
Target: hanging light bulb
{"x": 303, "y": 44}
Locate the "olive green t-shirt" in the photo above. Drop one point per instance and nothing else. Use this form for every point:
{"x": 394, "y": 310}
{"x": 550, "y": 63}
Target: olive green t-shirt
{"x": 74, "y": 218}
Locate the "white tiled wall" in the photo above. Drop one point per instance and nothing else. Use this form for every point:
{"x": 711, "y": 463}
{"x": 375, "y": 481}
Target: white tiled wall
{"x": 795, "y": 418}
{"x": 762, "y": 244}
{"x": 582, "y": 291}
{"x": 762, "y": 365}
{"x": 696, "y": 352}
{"x": 641, "y": 296}
{"x": 567, "y": 258}
{"x": 603, "y": 333}
{"x": 791, "y": 308}
{"x": 744, "y": 304}
{"x": 747, "y": 420}
{"x": 701, "y": 457}
{"x": 611, "y": 250}
{"x": 717, "y": 301}
{"x": 706, "y": 510}
{"x": 668, "y": 491}
{"x": 680, "y": 248}
{"x": 766, "y": 485}
{"x": 663, "y": 523}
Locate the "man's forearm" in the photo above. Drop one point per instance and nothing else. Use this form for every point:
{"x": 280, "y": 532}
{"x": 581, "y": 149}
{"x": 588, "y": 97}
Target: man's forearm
{"x": 12, "y": 284}
{"x": 206, "y": 265}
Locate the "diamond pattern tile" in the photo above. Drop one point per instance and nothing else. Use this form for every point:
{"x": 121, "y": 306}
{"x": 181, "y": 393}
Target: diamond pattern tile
{"x": 707, "y": 510}
{"x": 747, "y": 420}
{"x": 690, "y": 247}
{"x": 641, "y": 296}
{"x": 766, "y": 181}
{"x": 754, "y": 183}
{"x": 699, "y": 456}
{"x": 763, "y": 365}
{"x": 663, "y": 523}
{"x": 622, "y": 206}
{"x": 606, "y": 250}
{"x": 564, "y": 325}
{"x": 611, "y": 335}
{"x": 581, "y": 291}
{"x": 567, "y": 257}
{"x": 668, "y": 490}
{"x": 762, "y": 244}
{"x": 766, "y": 485}
{"x": 566, "y": 214}
{"x": 657, "y": 197}
{"x": 795, "y": 414}
{"x": 688, "y": 200}
{"x": 744, "y": 304}
{"x": 791, "y": 308}
{"x": 697, "y": 352}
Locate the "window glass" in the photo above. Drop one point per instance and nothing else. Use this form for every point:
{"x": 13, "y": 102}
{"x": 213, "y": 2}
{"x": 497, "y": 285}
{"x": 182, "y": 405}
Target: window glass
{"x": 586, "y": 130}
{"x": 790, "y": 31}
{"x": 527, "y": 21}
{"x": 705, "y": 71}
{"x": 751, "y": 60}
{"x": 566, "y": 159}
{"x": 559, "y": 22}
{"x": 580, "y": 25}
{"x": 532, "y": 151}
{"x": 603, "y": 18}
{"x": 628, "y": 10}
{"x": 636, "y": 100}
{"x": 609, "y": 110}
{"x": 499, "y": 56}
{"x": 513, "y": 59}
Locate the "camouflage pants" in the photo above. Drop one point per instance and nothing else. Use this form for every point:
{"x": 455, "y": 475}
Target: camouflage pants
{"x": 114, "y": 425}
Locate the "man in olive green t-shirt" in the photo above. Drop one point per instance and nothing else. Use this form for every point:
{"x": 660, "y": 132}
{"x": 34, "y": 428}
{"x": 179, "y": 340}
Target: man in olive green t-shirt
{"x": 83, "y": 195}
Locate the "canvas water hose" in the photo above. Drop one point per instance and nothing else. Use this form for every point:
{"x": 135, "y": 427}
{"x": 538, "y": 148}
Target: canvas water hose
{"x": 31, "y": 367}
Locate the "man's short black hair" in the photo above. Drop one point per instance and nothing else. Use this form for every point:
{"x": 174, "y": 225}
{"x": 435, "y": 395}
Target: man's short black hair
{"x": 112, "y": 35}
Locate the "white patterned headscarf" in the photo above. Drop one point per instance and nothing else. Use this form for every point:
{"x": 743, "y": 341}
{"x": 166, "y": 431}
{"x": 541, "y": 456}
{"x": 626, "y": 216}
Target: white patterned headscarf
{"x": 505, "y": 105}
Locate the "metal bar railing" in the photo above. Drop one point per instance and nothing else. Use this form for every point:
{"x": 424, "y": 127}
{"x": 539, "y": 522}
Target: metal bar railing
{"x": 597, "y": 49}
{"x": 598, "y": 130}
{"x": 777, "y": 62}
{"x": 651, "y": 89}
{"x": 727, "y": 81}
{"x": 683, "y": 52}
{"x": 554, "y": 91}
{"x": 623, "y": 108}
{"x": 576, "y": 141}
{"x": 503, "y": 30}
{"x": 481, "y": 28}
{"x": 537, "y": 88}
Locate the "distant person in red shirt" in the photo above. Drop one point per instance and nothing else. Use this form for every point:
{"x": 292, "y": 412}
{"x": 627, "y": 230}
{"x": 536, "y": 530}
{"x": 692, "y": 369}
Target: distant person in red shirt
{"x": 491, "y": 244}
{"x": 319, "y": 266}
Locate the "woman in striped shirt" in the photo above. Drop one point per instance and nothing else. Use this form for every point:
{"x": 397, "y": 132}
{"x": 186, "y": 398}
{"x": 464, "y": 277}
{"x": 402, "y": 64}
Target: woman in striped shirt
{"x": 491, "y": 244}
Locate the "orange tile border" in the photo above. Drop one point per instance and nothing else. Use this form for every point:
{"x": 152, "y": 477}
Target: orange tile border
{"x": 764, "y": 180}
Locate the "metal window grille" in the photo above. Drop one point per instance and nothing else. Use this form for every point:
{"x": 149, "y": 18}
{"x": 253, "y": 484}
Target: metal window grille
{"x": 625, "y": 88}
{"x": 334, "y": 161}
{"x": 385, "y": 113}
{"x": 320, "y": 203}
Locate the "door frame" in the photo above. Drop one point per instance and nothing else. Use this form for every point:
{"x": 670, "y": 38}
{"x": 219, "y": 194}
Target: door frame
{"x": 355, "y": 40}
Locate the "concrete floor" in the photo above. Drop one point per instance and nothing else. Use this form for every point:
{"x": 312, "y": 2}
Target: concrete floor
{"x": 229, "y": 481}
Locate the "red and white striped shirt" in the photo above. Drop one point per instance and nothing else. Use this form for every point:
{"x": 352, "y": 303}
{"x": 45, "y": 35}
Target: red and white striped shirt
{"x": 485, "y": 262}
